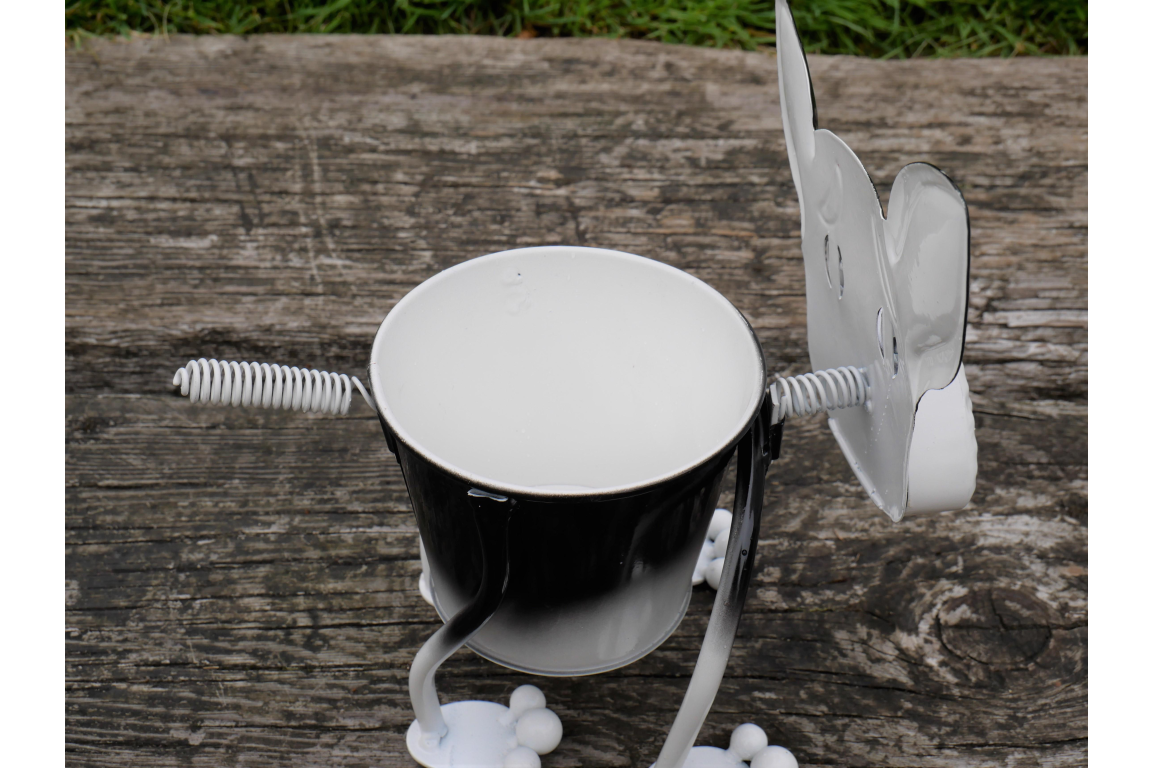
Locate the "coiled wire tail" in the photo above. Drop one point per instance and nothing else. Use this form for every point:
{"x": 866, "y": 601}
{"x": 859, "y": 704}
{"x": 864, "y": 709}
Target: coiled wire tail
{"x": 818, "y": 392}
{"x": 268, "y": 385}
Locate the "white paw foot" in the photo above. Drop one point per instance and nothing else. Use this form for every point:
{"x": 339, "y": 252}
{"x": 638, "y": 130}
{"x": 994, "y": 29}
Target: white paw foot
{"x": 491, "y": 735}
{"x": 711, "y": 561}
{"x": 748, "y": 748}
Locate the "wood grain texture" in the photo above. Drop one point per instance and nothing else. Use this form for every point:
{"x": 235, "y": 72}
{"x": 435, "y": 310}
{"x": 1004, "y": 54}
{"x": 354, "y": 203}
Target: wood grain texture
{"x": 241, "y": 585}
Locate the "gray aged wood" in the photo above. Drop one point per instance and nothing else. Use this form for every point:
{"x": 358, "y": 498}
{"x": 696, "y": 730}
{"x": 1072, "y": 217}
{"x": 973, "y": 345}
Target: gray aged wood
{"x": 241, "y": 585}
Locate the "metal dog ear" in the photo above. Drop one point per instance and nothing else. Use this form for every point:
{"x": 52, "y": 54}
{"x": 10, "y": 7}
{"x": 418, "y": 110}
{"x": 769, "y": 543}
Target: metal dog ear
{"x": 797, "y": 100}
{"x": 927, "y": 244}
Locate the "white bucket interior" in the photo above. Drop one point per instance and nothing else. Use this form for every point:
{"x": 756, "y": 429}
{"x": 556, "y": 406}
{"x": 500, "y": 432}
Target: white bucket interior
{"x": 566, "y": 370}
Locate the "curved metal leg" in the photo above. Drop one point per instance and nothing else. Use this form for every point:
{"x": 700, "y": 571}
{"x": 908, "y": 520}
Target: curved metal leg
{"x": 730, "y": 594}
{"x": 492, "y": 515}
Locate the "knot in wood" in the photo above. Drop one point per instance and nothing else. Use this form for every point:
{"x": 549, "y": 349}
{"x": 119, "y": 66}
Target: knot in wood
{"x": 996, "y": 627}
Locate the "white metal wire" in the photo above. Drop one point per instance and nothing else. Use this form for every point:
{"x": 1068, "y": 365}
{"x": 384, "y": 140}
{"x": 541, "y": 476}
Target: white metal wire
{"x": 817, "y": 392}
{"x": 268, "y": 385}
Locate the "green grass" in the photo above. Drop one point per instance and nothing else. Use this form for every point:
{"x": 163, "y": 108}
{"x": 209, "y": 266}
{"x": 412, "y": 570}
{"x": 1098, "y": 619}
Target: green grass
{"x": 877, "y": 28}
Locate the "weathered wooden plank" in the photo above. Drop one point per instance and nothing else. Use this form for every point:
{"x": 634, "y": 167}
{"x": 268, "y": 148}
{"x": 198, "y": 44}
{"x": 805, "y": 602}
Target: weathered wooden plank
{"x": 315, "y": 181}
{"x": 242, "y": 585}
{"x": 178, "y": 599}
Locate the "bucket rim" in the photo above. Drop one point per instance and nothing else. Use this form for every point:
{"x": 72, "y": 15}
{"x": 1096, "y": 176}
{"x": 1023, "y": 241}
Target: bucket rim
{"x": 751, "y": 412}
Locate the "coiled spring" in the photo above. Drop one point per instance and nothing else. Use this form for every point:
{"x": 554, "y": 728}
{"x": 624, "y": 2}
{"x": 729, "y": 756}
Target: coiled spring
{"x": 818, "y": 392}
{"x": 268, "y": 385}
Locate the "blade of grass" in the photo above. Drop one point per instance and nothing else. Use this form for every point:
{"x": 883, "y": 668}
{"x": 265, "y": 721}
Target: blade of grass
{"x": 879, "y": 28}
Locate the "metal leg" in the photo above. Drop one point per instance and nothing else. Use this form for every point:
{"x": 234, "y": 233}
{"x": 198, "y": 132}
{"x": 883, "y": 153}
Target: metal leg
{"x": 425, "y": 576}
{"x": 492, "y": 515}
{"x": 730, "y": 594}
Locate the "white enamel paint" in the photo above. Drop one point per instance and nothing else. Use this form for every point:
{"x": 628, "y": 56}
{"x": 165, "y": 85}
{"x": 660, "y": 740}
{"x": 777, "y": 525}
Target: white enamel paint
{"x": 942, "y": 459}
{"x": 566, "y": 370}
{"x": 712, "y": 551}
{"x": 747, "y": 748}
{"x": 484, "y": 734}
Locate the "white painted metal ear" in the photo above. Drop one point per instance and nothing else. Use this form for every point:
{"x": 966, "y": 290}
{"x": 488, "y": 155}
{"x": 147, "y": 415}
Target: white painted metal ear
{"x": 886, "y": 295}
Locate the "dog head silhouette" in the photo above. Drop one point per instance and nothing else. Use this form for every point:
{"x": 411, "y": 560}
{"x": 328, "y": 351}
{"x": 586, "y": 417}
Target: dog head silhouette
{"x": 886, "y": 294}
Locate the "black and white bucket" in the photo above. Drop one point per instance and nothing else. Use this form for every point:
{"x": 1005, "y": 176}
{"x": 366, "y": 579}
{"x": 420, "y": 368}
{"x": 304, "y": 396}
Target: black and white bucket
{"x": 596, "y": 397}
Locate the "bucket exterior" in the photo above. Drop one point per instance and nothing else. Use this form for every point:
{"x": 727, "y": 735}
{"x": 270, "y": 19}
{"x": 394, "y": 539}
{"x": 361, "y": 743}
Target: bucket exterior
{"x": 593, "y": 584}
{"x": 603, "y": 395}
